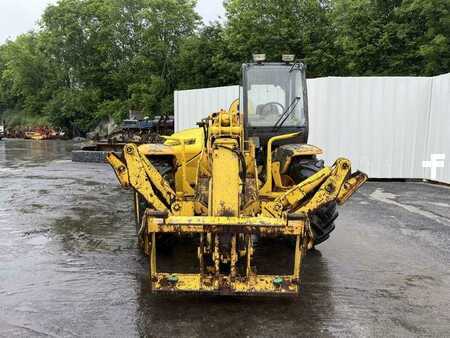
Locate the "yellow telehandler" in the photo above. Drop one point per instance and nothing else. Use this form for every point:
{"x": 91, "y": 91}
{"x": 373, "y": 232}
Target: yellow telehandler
{"x": 243, "y": 176}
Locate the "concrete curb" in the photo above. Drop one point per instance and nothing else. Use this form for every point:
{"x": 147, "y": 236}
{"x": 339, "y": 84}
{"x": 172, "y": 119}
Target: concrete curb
{"x": 89, "y": 156}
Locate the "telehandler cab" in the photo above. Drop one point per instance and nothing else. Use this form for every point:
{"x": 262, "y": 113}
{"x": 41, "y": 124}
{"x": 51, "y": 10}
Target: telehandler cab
{"x": 246, "y": 174}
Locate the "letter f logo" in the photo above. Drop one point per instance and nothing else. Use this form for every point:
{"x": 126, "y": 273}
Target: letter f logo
{"x": 437, "y": 161}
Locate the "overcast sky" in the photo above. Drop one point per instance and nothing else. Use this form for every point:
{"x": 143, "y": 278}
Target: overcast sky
{"x": 20, "y": 16}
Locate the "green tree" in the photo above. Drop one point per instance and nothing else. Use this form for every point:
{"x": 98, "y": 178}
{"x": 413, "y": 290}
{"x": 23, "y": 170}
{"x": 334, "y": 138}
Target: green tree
{"x": 381, "y": 37}
{"x": 95, "y": 58}
{"x": 421, "y": 32}
{"x": 275, "y": 27}
{"x": 205, "y": 60}
{"x": 166, "y": 24}
{"x": 123, "y": 50}
{"x": 25, "y": 76}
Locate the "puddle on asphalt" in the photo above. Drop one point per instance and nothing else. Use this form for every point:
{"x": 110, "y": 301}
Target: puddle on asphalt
{"x": 389, "y": 198}
{"x": 70, "y": 266}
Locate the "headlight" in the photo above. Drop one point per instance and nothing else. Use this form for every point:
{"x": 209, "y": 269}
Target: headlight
{"x": 288, "y": 57}
{"x": 259, "y": 58}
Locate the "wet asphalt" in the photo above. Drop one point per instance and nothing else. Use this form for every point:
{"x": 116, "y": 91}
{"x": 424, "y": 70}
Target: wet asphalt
{"x": 69, "y": 265}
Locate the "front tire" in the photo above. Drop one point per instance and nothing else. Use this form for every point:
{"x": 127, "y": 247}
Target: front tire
{"x": 322, "y": 221}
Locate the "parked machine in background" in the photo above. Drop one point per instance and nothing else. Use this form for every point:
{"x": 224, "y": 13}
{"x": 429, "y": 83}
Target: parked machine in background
{"x": 130, "y": 131}
{"x": 143, "y": 131}
{"x": 244, "y": 176}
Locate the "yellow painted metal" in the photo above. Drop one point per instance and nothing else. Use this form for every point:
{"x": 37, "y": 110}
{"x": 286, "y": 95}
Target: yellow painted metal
{"x": 218, "y": 224}
{"x": 300, "y": 150}
{"x": 138, "y": 177}
{"x": 156, "y": 149}
{"x": 306, "y": 149}
{"x": 225, "y": 169}
{"x": 293, "y": 197}
{"x": 234, "y": 107}
{"x": 152, "y": 256}
{"x": 267, "y": 187}
{"x": 142, "y": 172}
{"x": 329, "y": 184}
{"x": 277, "y": 176}
{"x": 298, "y": 256}
{"x": 218, "y": 196}
{"x": 225, "y": 285}
{"x": 185, "y": 146}
{"x": 232, "y": 283}
{"x": 182, "y": 207}
{"x": 329, "y": 190}
{"x": 119, "y": 168}
{"x": 193, "y": 137}
{"x": 350, "y": 186}
{"x": 183, "y": 180}
{"x": 226, "y": 130}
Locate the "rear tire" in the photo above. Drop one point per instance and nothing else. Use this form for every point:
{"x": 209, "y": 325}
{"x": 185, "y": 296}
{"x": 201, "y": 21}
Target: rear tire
{"x": 322, "y": 221}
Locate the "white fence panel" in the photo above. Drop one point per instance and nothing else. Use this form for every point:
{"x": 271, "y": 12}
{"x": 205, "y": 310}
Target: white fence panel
{"x": 193, "y": 105}
{"x": 386, "y": 125}
{"x": 439, "y": 127}
{"x": 379, "y": 123}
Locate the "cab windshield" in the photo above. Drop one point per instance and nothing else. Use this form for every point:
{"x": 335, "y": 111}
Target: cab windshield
{"x": 273, "y": 92}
